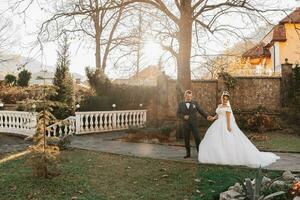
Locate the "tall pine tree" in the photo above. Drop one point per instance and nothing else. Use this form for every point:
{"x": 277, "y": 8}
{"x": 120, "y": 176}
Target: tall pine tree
{"x": 63, "y": 82}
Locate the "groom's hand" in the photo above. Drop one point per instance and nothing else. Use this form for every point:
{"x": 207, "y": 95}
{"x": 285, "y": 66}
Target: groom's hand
{"x": 210, "y": 118}
{"x": 186, "y": 117}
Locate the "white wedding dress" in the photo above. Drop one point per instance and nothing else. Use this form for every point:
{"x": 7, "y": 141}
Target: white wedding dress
{"x": 220, "y": 146}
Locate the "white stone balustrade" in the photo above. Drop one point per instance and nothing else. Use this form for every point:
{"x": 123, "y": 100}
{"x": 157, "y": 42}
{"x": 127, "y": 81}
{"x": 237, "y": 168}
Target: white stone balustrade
{"x": 62, "y": 128}
{"x": 103, "y": 121}
{"x": 25, "y": 123}
{"x": 18, "y": 122}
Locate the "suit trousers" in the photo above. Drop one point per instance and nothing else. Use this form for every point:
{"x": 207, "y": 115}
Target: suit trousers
{"x": 189, "y": 127}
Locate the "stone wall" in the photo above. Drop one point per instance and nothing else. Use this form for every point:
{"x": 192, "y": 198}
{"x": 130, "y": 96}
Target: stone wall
{"x": 251, "y": 92}
{"x": 248, "y": 93}
{"x": 205, "y": 92}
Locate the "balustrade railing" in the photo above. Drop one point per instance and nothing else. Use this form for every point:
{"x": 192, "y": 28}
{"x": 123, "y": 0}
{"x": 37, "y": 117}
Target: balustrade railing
{"x": 102, "y": 121}
{"x": 18, "y": 122}
{"x": 62, "y": 128}
{"x": 25, "y": 123}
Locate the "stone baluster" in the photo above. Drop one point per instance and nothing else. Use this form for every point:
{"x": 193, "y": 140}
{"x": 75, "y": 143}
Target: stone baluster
{"x": 129, "y": 120}
{"x": 109, "y": 121}
{"x": 114, "y": 121}
{"x": 96, "y": 122}
{"x": 92, "y": 124}
{"x": 101, "y": 122}
{"x": 105, "y": 121}
{"x": 117, "y": 115}
{"x": 82, "y": 123}
{"x": 1, "y": 121}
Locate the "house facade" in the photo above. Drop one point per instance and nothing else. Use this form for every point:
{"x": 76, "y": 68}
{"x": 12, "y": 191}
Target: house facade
{"x": 281, "y": 43}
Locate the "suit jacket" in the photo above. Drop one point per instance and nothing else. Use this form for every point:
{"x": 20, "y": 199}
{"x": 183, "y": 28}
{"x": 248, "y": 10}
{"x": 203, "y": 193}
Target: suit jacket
{"x": 191, "y": 111}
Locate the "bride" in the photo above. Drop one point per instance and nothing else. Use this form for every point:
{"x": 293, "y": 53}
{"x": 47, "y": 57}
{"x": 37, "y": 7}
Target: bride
{"x": 224, "y": 143}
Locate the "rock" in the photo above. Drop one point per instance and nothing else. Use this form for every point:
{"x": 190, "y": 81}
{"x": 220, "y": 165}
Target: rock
{"x": 265, "y": 181}
{"x": 277, "y": 184}
{"x": 230, "y": 195}
{"x": 288, "y": 176}
{"x": 237, "y": 188}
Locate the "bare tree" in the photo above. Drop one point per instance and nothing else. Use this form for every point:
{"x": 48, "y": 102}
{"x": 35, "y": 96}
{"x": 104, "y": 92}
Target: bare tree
{"x": 187, "y": 15}
{"x": 90, "y": 19}
{"x": 5, "y": 39}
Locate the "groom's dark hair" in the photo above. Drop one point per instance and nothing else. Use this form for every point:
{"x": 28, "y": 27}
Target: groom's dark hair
{"x": 188, "y": 92}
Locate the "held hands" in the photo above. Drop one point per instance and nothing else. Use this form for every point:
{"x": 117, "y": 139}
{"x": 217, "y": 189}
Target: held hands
{"x": 229, "y": 129}
{"x": 210, "y": 118}
{"x": 186, "y": 117}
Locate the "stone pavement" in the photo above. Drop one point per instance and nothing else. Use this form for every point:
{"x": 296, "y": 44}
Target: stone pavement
{"x": 103, "y": 142}
{"x": 12, "y": 143}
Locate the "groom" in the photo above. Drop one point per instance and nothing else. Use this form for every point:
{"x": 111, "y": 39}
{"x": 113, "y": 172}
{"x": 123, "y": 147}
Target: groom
{"x": 187, "y": 113}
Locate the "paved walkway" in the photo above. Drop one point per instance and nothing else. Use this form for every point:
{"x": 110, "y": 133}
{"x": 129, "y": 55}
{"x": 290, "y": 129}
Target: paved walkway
{"x": 103, "y": 142}
{"x": 12, "y": 143}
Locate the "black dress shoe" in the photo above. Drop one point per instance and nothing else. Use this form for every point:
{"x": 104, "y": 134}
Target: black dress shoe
{"x": 187, "y": 156}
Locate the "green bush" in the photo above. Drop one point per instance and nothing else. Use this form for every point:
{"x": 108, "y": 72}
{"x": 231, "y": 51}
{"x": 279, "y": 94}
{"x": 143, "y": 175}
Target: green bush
{"x": 62, "y": 111}
{"x": 166, "y": 130}
{"x": 10, "y": 79}
{"x": 125, "y": 98}
{"x": 63, "y": 83}
{"x": 167, "y": 127}
{"x": 24, "y": 77}
{"x": 98, "y": 81}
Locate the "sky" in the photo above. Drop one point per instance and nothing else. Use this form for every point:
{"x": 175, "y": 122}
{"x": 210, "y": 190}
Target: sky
{"x": 24, "y": 31}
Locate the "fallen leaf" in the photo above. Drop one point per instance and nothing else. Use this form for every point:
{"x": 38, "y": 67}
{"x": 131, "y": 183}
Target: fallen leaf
{"x": 197, "y": 180}
{"x": 211, "y": 181}
{"x": 165, "y": 176}
{"x": 13, "y": 188}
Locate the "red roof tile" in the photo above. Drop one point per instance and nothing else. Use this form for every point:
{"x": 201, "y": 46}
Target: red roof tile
{"x": 279, "y": 33}
{"x": 294, "y": 17}
{"x": 257, "y": 51}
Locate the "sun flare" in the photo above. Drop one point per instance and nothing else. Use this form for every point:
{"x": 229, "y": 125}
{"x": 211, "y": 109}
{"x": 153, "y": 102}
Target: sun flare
{"x": 152, "y": 52}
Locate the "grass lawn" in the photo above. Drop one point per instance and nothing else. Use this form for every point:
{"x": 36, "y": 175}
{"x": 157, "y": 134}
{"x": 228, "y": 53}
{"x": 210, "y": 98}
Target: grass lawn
{"x": 280, "y": 141}
{"x": 277, "y": 141}
{"x": 94, "y": 175}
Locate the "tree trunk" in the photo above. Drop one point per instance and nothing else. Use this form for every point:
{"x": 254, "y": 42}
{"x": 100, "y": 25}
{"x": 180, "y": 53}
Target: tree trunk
{"x": 96, "y": 20}
{"x": 185, "y": 45}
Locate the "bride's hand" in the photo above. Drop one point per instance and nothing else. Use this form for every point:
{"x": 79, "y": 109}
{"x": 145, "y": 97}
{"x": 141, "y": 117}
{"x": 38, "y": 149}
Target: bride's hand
{"x": 229, "y": 129}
